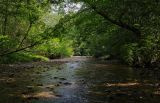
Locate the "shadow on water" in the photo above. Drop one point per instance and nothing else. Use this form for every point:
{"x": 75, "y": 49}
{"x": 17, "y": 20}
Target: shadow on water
{"x": 87, "y": 81}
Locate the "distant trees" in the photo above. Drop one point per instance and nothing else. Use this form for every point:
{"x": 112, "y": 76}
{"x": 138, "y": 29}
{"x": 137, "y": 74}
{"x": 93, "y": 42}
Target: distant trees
{"x": 125, "y": 29}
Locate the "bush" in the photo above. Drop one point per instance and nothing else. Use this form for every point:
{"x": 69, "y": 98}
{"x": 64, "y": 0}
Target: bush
{"x": 127, "y": 53}
{"x": 145, "y": 53}
{"x": 55, "y": 48}
{"x": 21, "y": 57}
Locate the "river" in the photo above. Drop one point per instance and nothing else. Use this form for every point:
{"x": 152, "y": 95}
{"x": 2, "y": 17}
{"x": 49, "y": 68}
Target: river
{"x": 78, "y": 80}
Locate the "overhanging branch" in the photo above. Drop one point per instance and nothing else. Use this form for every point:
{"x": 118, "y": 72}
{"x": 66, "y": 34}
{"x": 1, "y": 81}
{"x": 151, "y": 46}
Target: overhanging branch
{"x": 20, "y": 49}
{"x": 119, "y": 23}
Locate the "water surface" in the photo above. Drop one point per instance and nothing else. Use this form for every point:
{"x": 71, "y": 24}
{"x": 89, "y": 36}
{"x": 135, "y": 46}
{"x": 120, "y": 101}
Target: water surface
{"x": 78, "y": 81}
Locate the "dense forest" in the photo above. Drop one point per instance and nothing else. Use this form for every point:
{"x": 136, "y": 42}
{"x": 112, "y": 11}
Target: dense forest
{"x": 34, "y": 30}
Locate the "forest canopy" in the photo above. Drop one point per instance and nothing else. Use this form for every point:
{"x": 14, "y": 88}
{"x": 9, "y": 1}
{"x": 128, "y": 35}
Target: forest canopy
{"x": 127, "y": 30}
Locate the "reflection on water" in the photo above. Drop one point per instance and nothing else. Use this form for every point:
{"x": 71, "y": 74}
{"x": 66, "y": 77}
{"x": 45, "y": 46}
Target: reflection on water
{"x": 79, "y": 82}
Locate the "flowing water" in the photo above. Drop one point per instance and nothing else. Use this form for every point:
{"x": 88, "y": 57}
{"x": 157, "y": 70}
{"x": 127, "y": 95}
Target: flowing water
{"x": 79, "y": 80}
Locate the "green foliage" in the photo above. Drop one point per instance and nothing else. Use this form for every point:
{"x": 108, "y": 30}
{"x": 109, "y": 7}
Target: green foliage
{"x": 24, "y": 24}
{"x": 127, "y": 53}
{"x": 149, "y": 51}
{"x": 6, "y": 43}
{"x": 146, "y": 53}
{"x": 20, "y": 21}
{"x": 123, "y": 29}
{"x": 55, "y": 48}
{"x": 22, "y": 57}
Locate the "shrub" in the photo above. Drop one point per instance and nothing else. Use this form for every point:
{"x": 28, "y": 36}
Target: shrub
{"x": 22, "y": 57}
{"x": 144, "y": 53}
{"x": 55, "y": 48}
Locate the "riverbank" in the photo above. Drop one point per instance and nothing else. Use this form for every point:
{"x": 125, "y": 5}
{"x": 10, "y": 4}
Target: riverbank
{"x": 49, "y": 62}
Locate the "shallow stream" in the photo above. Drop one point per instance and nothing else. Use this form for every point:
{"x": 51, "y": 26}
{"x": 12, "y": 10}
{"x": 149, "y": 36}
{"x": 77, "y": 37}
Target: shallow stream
{"x": 79, "y": 80}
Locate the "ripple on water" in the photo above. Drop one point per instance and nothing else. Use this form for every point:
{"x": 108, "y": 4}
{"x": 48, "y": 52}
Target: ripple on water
{"x": 78, "y": 82}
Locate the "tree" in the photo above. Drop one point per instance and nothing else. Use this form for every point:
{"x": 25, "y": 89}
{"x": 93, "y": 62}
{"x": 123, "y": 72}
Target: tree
{"x": 20, "y": 22}
{"x": 122, "y": 26}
